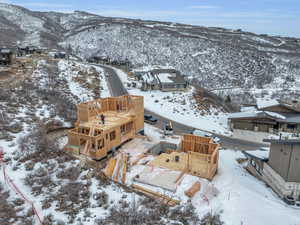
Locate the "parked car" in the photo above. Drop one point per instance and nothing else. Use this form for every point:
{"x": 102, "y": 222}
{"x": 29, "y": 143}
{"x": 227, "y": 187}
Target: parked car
{"x": 206, "y": 134}
{"x": 150, "y": 119}
{"x": 168, "y": 129}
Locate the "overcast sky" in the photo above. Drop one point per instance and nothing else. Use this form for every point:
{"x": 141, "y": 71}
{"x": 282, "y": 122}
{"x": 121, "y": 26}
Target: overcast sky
{"x": 278, "y": 17}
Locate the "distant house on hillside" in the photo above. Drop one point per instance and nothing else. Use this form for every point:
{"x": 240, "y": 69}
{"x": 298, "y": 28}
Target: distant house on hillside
{"x": 6, "y": 56}
{"x": 279, "y": 167}
{"x": 57, "y": 54}
{"x": 28, "y": 50}
{"x": 162, "y": 79}
{"x": 60, "y": 55}
{"x": 122, "y": 64}
{"x": 267, "y": 116}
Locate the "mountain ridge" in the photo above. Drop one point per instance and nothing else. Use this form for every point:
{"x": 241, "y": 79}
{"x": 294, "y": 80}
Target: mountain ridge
{"x": 215, "y": 57}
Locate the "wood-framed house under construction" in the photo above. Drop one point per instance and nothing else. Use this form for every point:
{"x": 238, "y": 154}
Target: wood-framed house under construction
{"x": 198, "y": 156}
{"x": 104, "y": 124}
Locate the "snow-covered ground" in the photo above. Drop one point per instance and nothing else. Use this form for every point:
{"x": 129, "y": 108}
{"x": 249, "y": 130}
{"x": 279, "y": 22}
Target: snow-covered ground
{"x": 70, "y": 70}
{"x": 115, "y": 194}
{"x": 244, "y": 199}
{"x": 180, "y": 107}
{"x": 284, "y": 87}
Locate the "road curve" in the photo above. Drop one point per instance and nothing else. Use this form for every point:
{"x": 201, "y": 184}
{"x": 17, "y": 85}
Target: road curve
{"x": 117, "y": 89}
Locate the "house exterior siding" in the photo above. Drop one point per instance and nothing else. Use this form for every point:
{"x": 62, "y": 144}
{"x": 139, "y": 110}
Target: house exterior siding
{"x": 288, "y": 191}
{"x": 264, "y": 125}
{"x": 285, "y": 160}
{"x": 270, "y": 119}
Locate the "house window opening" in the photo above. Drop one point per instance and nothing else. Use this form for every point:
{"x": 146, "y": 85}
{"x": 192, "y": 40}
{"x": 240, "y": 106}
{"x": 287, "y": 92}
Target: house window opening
{"x": 112, "y": 135}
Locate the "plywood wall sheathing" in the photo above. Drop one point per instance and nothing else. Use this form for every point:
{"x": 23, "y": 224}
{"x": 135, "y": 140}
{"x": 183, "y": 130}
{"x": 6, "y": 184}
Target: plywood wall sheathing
{"x": 173, "y": 161}
{"x": 125, "y": 161}
{"x": 197, "y": 156}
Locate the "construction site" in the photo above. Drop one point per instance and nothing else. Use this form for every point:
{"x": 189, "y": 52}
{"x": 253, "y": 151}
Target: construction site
{"x": 104, "y": 124}
{"x": 111, "y": 131}
{"x": 72, "y": 151}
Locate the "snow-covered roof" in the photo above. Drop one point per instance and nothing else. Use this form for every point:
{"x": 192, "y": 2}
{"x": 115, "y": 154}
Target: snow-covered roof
{"x": 147, "y": 77}
{"x": 248, "y": 108}
{"x": 165, "y": 77}
{"x": 275, "y": 115}
{"x": 246, "y": 114}
{"x": 262, "y": 103}
{"x": 294, "y": 118}
{"x": 5, "y": 51}
{"x": 284, "y": 140}
{"x": 261, "y": 114}
{"x": 262, "y": 153}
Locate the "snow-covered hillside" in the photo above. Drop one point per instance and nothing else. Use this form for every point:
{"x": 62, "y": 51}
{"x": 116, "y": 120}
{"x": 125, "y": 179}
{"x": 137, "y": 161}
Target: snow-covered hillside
{"x": 215, "y": 57}
{"x": 206, "y": 60}
{"x": 180, "y": 107}
{"x": 28, "y": 23}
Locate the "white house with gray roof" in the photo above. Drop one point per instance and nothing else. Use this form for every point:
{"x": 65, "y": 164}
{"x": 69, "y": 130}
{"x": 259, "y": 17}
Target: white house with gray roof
{"x": 162, "y": 79}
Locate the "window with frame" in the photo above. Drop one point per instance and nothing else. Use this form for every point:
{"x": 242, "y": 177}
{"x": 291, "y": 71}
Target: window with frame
{"x": 291, "y": 126}
{"x": 129, "y": 127}
{"x": 112, "y": 135}
{"x": 100, "y": 143}
{"x": 123, "y": 129}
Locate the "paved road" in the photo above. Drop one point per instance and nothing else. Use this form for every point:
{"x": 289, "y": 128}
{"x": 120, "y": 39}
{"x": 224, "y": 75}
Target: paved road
{"x": 117, "y": 88}
{"x": 114, "y": 82}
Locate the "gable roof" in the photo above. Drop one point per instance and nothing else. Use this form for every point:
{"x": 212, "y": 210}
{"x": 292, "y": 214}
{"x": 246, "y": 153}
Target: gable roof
{"x": 263, "y": 104}
{"x": 257, "y": 114}
{"x": 261, "y": 154}
{"x": 5, "y": 51}
{"x": 282, "y": 141}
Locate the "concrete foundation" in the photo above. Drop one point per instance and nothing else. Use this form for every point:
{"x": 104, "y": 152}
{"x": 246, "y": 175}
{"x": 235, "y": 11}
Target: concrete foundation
{"x": 158, "y": 177}
{"x": 162, "y": 147}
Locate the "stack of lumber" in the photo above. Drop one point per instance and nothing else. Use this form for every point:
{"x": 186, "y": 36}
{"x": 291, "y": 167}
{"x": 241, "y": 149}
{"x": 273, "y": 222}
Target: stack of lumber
{"x": 116, "y": 168}
{"x": 125, "y": 162}
{"x": 155, "y": 195}
{"x": 193, "y": 189}
{"x": 138, "y": 158}
{"x": 109, "y": 170}
{"x": 180, "y": 178}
